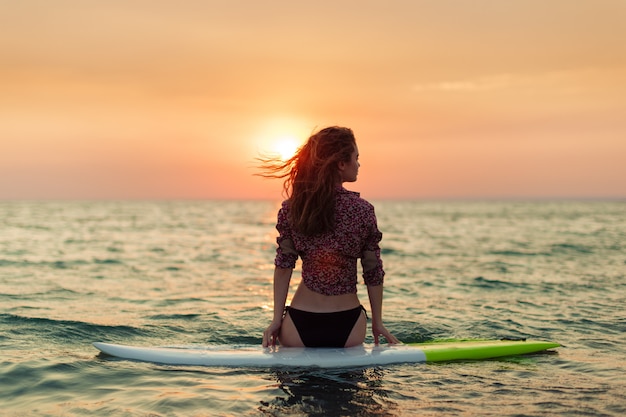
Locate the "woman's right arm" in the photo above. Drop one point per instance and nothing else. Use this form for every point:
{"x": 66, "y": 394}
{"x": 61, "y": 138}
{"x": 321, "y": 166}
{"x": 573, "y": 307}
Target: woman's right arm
{"x": 282, "y": 278}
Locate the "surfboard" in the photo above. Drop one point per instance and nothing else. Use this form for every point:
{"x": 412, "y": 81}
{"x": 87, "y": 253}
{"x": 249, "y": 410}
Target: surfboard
{"x": 364, "y": 355}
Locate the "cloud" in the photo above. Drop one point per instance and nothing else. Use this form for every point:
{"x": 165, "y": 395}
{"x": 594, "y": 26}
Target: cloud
{"x": 567, "y": 81}
{"x": 494, "y": 82}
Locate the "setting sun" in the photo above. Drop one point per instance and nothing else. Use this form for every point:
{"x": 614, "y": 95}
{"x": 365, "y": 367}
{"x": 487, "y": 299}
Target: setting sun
{"x": 280, "y": 137}
{"x": 285, "y": 147}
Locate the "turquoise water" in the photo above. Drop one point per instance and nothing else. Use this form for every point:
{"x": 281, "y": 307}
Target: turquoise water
{"x": 155, "y": 273}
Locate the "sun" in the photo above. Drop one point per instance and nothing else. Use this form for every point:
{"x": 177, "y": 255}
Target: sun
{"x": 279, "y": 138}
{"x": 285, "y": 147}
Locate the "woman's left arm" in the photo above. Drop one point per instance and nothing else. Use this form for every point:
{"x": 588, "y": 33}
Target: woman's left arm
{"x": 375, "y": 293}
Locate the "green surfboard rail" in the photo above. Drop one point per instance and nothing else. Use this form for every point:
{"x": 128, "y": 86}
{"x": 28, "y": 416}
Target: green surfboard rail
{"x": 442, "y": 351}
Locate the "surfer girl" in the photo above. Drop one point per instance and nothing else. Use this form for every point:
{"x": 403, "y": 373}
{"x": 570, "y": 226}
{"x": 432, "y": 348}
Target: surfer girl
{"x": 329, "y": 228}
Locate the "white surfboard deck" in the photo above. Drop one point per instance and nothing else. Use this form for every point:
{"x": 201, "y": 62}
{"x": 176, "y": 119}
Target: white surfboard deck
{"x": 365, "y": 355}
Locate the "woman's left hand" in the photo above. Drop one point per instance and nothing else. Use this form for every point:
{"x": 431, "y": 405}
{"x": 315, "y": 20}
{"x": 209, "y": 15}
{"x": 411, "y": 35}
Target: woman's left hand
{"x": 380, "y": 330}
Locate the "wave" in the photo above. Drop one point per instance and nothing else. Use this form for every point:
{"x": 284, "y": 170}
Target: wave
{"x": 496, "y": 284}
{"x": 190, "y": 316}
{"x": 555, "y": 249}
{"x": 58, "y": 264}
{"x": 62, "y": 331}
{"x": 567, "y": 248}
{"x": 515, "y": 253}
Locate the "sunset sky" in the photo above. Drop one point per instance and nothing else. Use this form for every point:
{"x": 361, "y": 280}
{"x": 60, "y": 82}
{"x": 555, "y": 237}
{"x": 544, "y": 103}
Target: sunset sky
{"x": 155, "y": 99}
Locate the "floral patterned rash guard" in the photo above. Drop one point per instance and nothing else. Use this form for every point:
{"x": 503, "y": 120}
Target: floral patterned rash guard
{"x": 329, "y": 260}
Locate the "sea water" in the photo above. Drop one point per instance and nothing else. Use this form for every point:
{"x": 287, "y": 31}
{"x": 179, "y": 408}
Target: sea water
{"x": 163, "y": 273}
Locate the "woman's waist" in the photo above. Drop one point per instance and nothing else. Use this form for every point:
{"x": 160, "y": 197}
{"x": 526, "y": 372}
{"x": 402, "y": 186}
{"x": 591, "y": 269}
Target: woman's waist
{"x": 309, "y": 300}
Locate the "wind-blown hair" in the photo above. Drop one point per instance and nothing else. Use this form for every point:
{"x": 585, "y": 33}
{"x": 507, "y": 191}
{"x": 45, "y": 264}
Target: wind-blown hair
{"x": 311, "y": 178}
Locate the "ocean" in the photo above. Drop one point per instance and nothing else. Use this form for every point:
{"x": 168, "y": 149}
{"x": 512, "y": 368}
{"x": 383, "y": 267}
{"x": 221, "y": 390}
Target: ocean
{"x": 180, "y": 272}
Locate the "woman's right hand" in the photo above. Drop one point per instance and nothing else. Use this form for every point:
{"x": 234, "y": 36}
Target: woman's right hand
{"x": 270, "y": 335}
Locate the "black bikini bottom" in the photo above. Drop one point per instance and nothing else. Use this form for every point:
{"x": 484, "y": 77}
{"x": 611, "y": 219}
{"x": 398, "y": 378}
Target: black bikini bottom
{"x": 324, "y": 329}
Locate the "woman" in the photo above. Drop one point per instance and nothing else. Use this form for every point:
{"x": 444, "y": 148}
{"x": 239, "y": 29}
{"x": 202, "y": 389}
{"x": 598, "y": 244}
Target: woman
{"x": 329, "y": 228}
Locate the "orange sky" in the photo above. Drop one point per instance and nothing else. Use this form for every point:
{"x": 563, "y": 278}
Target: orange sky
{"x": 448, "y": 99}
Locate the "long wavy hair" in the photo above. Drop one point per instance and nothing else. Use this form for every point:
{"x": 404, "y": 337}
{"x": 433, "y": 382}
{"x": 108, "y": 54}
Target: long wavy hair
{"x": 311, "y": 178}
